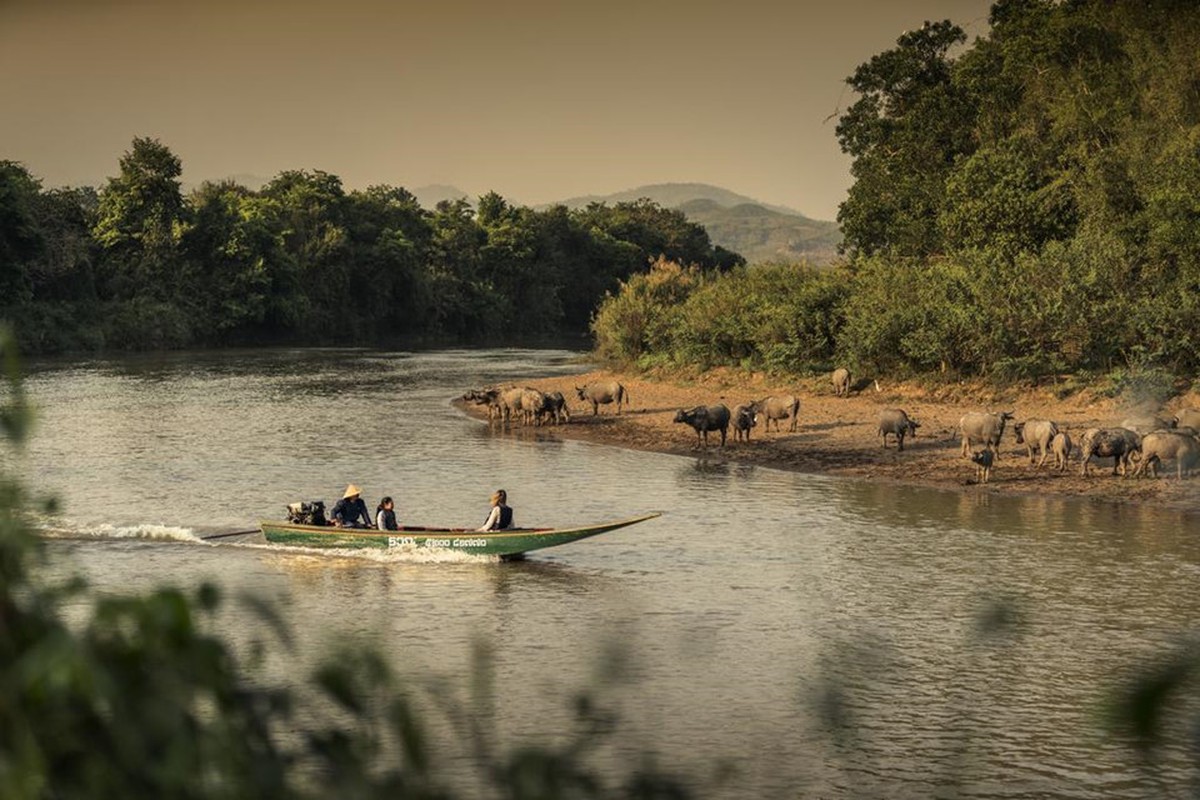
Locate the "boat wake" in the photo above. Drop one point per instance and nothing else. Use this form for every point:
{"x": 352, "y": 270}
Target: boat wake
{"x": 59, "y": 528}
{"x": 392, "y": 555}
{"x": 69, "y": 529}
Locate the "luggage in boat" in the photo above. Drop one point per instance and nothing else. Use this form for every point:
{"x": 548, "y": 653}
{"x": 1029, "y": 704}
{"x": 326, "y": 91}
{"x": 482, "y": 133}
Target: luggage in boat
{"x": 311, "y": 512}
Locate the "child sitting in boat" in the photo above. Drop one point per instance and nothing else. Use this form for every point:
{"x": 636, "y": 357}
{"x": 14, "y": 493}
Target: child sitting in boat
{"x": 501, "y": 517}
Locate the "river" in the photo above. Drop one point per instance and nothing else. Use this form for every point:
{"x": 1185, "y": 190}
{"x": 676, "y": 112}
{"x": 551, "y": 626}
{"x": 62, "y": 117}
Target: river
{"x": 714, "y": 631}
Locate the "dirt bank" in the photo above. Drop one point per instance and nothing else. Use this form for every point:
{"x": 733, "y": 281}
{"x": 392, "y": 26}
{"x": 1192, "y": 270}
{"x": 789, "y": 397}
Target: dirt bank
{"x": 838, "y": 435}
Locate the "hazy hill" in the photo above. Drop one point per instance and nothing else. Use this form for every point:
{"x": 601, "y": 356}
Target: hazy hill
{"x": 763, "y": 234}
{"x": 429, "y": 196}
{"x": 758, "y": 231}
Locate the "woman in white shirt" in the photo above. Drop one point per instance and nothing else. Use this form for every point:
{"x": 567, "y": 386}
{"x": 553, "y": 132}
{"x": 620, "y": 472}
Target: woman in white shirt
{"x": 501, "y": 516}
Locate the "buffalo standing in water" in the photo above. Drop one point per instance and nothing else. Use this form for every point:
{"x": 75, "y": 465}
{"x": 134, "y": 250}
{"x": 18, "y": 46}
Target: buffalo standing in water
{"x": 704, "y": 419}
{"x": 601, "y": 394}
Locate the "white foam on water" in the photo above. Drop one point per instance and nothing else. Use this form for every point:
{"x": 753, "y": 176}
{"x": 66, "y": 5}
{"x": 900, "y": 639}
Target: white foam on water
{"x": 69, "y": 529}
{"x": 408, "y": 554}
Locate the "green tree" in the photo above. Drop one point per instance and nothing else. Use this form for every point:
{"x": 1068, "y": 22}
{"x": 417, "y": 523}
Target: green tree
{"x": 138, "y": 224}
{"x": 20, "y": 237}
{"x": 314, "y": 292}
{"x": 905, "y": 132}
{"x": 233, "y": 254}
{"x": 390, "y": 237}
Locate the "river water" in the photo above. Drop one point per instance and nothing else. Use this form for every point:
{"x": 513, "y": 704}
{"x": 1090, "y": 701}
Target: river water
{"x": 717, "y": 632}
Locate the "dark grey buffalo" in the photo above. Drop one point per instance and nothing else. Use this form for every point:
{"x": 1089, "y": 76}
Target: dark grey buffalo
{"x": 895, "y": 422}
{"x": 485, "y": 397}
{"x": 983, "y": 461}
{"x": 554, "y": 406}
{"x": 744, "y": 419}
{"x": 777, "y": 407}
{"x": 1036, "y": 433}
{"x": 704, "y": 419}
{"x": 983, "y": 427}
{"x": 841, "y": 381}
{"x": 1161, "y": 446}
{"x": 601, "y": 394}
{"x": 1119, "y": 444}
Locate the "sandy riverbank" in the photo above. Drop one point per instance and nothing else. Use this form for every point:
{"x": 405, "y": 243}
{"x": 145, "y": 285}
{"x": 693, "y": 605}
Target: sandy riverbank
{"x": 838, "y": 435}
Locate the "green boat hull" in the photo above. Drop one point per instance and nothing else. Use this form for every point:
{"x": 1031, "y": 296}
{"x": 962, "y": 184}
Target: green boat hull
{"x": 510, "y": 544}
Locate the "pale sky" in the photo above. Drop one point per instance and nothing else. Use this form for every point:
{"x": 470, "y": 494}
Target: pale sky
{"x": 535, "y": 99}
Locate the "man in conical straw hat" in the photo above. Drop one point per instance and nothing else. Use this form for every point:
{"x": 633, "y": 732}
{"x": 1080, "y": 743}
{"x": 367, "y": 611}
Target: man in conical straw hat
{"x": 351, "y": 511}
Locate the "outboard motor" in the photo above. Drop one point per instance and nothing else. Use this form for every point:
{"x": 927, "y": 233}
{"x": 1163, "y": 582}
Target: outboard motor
{"x": 309, "y": 513}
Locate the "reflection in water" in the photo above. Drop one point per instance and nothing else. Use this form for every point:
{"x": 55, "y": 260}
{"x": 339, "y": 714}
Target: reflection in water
{"x": 827, "y": 636}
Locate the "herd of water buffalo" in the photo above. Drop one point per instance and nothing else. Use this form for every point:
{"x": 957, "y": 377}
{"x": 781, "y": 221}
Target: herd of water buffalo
{"x": 1138, "y": 444}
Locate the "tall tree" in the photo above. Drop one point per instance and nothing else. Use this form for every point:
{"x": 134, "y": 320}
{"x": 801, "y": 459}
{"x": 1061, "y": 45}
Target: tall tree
{"x": 905, "y": 132}
{"x": 20, "y": 237}
{"x": 138, "y": 220}
{"x": 233, "y": 256}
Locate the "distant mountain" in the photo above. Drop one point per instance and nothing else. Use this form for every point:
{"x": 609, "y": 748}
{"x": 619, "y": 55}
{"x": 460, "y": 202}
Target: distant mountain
{"x": 429, "y": 196}
{"x": 758, "y": 231}
{"x": 763, "y": 234}
{"x": 673, "y": 195}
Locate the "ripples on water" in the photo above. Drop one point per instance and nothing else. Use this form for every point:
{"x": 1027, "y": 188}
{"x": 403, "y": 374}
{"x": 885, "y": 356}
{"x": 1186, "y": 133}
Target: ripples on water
{"x": 756, "y": 593}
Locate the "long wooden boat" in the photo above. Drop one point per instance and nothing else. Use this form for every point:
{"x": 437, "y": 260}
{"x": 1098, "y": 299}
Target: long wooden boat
{"x": 509, "y": 544}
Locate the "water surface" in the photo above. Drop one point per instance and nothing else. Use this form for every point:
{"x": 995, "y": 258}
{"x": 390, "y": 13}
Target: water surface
{"x": 757, "y": 593}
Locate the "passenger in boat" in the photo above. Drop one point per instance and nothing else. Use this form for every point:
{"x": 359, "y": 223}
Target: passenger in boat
{"x": 385, "y": 515}
{"x": 501, "y": 517}
{"x": 351, "y": 511}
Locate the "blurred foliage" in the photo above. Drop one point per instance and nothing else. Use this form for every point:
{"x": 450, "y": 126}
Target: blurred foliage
{"x": 141, "y": 265}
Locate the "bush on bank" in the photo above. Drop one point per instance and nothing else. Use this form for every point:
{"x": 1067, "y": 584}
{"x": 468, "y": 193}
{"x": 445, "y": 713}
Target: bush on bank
{"x": 1074, "y": 308}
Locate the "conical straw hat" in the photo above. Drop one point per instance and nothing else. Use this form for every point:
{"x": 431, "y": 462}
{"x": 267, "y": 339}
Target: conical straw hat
{"x": 351, "y": 490}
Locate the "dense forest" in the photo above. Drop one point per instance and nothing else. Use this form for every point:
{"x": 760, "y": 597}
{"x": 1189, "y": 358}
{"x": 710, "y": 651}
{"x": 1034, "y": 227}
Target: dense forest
{"x": 1024, "y": 205}
{"x": 139, "y": 264}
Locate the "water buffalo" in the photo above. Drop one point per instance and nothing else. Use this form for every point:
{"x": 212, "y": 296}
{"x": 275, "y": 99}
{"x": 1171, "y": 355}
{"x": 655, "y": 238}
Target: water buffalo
{"x": 485, "y": 397}
{"x": 983, "y": 427}
{"x": 1036, "y": 433}
{"x": 983, "y": 461}
{"x": 601, "y": 394}
{"x": 1119, "y": 444}
{"x": 841, "y": 381}
{"x": 1161, "y": 446}
{"x": 895, "y": 422}
{"x": 1060, "y": 445}
{"x": 554, "y": 406}
{"x": 775, "y": 408}
{"x": 744, "y": 419}
{"x": 521, "y": 400}
{"x": 1189, "y": 417}
{"x": 704, "y": 419}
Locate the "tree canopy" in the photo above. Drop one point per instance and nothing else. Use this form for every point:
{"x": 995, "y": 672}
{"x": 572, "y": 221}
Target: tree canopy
{"x": 141, "y": 264}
